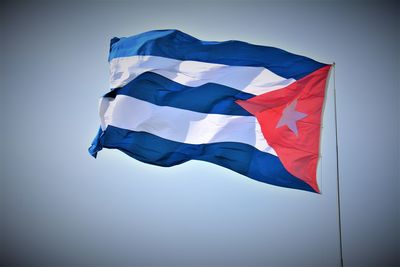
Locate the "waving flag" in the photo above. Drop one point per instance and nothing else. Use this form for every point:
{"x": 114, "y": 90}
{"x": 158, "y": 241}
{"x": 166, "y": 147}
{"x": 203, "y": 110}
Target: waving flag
{"x": 253, "y": 109}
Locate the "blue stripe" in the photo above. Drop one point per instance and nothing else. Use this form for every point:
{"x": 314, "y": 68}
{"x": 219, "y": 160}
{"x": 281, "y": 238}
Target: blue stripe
{"x": 241, "y": 158}
{"x": 208, "y": 98}
{"x": 178, "y": 45}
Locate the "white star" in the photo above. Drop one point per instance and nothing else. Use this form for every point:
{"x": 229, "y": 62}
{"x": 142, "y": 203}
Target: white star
{"x": 290, "y": 116}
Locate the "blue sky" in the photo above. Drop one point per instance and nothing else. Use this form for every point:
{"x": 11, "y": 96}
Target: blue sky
{"x": 61, "y": 207}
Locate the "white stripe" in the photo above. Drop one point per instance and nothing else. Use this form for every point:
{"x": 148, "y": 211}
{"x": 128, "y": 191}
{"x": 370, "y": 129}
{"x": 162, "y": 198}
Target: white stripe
{"x": 181, "y": 125}
{"x": 254, "y": 80}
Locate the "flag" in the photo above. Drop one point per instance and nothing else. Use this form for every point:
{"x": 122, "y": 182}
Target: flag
{"x": 253, "y": 109}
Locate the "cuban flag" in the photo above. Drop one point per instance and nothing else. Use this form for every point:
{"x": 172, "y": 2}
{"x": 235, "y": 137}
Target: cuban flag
{"x": 253, "y": 109}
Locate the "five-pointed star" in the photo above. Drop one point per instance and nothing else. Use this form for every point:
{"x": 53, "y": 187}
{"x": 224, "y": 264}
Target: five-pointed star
{"x": 290, "y": 116}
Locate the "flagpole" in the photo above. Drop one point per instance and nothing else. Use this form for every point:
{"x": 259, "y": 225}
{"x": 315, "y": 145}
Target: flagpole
{"x": 337, "y": 167}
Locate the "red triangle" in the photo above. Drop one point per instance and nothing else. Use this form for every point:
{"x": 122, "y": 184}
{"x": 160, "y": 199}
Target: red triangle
{"x": 298, "y": 153}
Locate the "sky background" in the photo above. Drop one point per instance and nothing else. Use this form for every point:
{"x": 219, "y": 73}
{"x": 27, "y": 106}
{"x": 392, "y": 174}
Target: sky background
{"x": 60, "y": 207}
